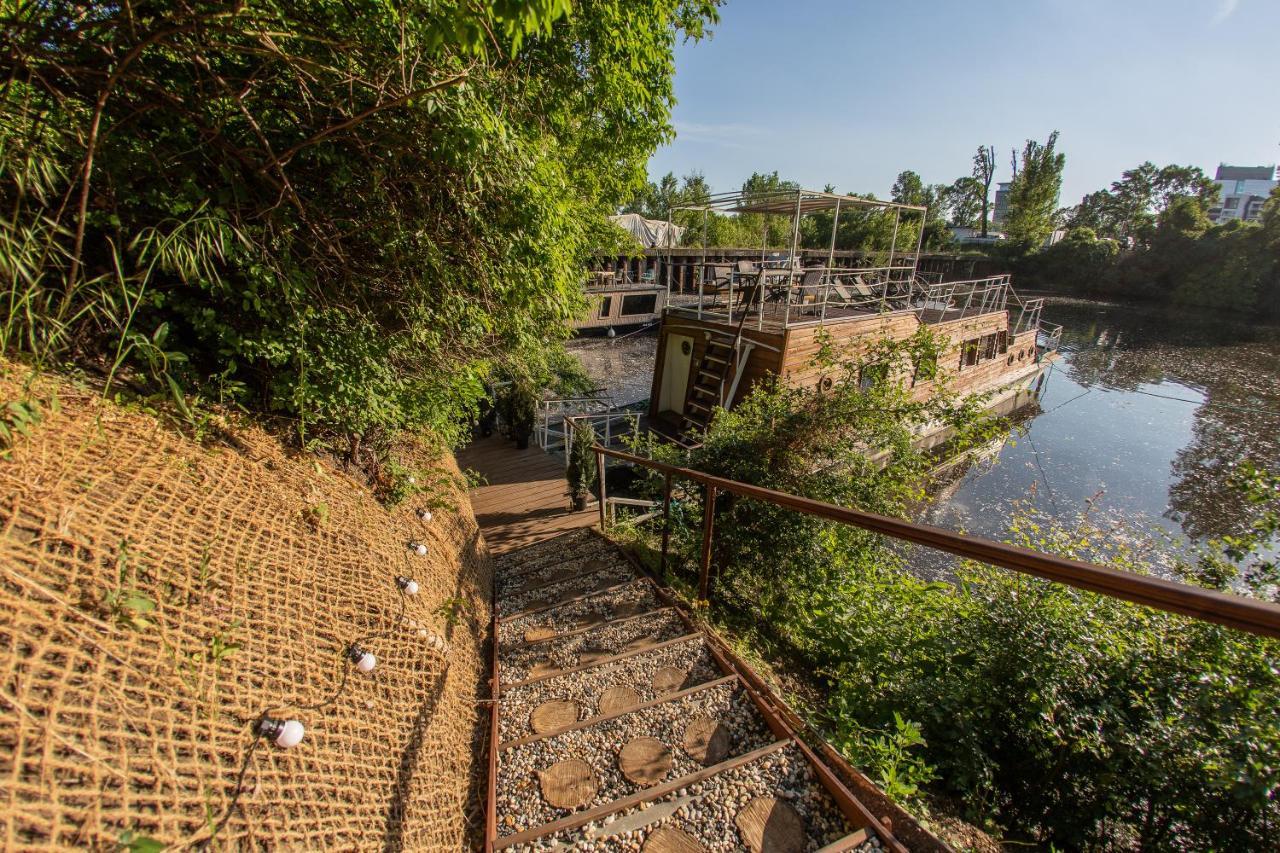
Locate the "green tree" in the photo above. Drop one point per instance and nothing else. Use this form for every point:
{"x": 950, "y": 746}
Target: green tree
{"x": 960, "y": 201}
{"x": 1033, "y": 193}
{"x": 984, "y": 170}
{"x": 908, "y": 188}
{"x": 1133, "y": 203}
{"x": 346, "y": 214}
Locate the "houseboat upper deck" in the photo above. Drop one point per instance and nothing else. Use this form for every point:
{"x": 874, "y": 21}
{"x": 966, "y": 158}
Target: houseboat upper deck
{"x": 752, "y": 319}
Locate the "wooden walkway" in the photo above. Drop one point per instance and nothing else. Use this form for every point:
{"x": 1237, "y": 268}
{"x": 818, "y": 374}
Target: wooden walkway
{"x": 526, "y": 498}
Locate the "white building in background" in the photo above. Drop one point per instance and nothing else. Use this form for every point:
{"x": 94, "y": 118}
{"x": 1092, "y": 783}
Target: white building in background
{"x": 1000, "y": 209}
{"x": 1243, "y": 191}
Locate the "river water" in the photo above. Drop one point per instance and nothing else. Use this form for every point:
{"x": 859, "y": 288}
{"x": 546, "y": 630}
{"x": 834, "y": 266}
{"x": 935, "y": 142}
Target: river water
{"x": 1140, "y": 421}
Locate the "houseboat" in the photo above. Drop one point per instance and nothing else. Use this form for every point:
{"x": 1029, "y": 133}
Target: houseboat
{"x": 631, "y": 294}
{"x": 769, "y": 317}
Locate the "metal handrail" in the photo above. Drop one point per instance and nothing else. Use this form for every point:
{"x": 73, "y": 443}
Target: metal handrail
{"x": 1234, "y": 611}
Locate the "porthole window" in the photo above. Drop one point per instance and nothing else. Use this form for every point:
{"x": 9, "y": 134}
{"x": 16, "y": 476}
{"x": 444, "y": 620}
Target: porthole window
{"x": 1010, "y": 358}
{"x": 826, "y": 383}
{"x": 686, "y": 347}
{"x": 1022, "y": 354}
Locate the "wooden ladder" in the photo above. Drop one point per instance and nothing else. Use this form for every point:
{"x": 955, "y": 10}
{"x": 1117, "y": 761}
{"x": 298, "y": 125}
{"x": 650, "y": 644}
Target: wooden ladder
{"x": 705, "y": 391}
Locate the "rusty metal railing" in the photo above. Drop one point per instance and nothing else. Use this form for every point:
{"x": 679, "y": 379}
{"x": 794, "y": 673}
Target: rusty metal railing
{"x": 1234, "y": 611}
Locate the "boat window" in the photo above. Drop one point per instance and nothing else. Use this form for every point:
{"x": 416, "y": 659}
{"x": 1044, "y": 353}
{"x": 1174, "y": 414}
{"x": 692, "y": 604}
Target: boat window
{"x": 969, "y": 353}
{"x": 605, "y": 305}
{"x": 988, "y": 347}
{"x": 639, "y": 303}
{"x": 1002, "y": 342}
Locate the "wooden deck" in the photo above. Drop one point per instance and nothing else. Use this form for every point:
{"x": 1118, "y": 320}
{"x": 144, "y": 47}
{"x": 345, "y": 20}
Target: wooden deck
{"x": 526, "y": 498}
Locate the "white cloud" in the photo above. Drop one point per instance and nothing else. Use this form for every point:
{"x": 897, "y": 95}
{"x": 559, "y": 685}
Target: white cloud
{"x": 724, "y": 135}
{"x": 1226, "y": 8}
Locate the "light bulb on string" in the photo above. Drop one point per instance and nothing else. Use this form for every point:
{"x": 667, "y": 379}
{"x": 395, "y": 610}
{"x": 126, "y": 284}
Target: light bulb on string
{"x": 364, "y": 661}
{"x": 407, "y": 585}
{"x": 285, "y": 734}
{"x": 418, "y": 548}
{"x": 425, "y": 515}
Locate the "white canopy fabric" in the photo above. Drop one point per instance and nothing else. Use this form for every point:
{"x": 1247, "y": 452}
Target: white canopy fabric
{"x": 651, "y": 233}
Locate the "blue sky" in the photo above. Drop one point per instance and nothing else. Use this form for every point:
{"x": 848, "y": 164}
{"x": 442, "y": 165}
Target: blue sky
{"x": 851, "y": 93}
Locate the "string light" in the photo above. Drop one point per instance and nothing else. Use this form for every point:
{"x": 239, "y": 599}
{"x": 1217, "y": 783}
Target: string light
{"x": 408, "y": 585}
{"x": 365, "y": 661}
{"x": 425, "y": 515}
{"x": 286, "y": 734}
{"x": 418, "y": 548}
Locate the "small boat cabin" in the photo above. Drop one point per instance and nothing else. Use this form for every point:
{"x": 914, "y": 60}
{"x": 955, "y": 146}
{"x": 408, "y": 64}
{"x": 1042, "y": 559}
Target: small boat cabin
{"x": 754, "y": 319}
{"x": 617, "y": 300}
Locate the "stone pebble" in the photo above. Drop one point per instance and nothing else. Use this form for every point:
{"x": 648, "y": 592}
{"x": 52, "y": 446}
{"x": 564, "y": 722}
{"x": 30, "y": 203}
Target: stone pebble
{"x": 567, "y": 617}
{"x": 585, "y": 687}
{"x": 707, "y": 809}
{"x": 516, "y": 566}
{"x": 565, "y": 651}
{"x": 519, "y": 798}
{"x": 569, "y": 587}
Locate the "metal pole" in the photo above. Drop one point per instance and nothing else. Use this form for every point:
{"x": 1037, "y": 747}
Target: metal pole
{"x": 764, "y": 242}
{"x": 893, "y": 246}
{"x": 666, "y": 525}
{"x": 708, "y": 527}
{"x": 669, "y": 212}
{"x": 600, "y": 478}
{"x": 791, "y": 261}
{"x": 831, "y": 259}
{"x": 702, "y": 272}
{"x": 915, "y": 265}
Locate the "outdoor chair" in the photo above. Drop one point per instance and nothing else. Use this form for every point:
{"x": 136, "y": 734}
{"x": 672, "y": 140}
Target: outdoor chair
{"x": 716, "y": 280}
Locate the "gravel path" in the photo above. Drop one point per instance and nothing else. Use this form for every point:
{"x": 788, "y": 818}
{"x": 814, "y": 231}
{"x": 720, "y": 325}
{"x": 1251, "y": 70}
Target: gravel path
{"x": 584, "y": 688}
{"x": 554, "y": 593}
{"x": 577, "y": 545}
{"x": 565, "y": 652}
{"x": 706, "y": 810}
{"x": 520, "y": 801}
{"x": 634, "y": 598}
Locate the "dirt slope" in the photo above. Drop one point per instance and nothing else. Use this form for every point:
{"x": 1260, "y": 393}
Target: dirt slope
{"x": 157, "y": 595}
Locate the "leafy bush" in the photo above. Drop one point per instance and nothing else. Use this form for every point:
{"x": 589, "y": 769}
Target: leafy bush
{"x": 343, "y": 214}
{"x": 581, "y": 468}
{"x": 1059, "y": 715}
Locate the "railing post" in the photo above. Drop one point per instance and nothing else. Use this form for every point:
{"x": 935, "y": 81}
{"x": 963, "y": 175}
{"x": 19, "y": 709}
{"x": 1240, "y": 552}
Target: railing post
{"x": 708, "y": 528}
{"x": 666, "y": 524}
{"x": 600, "y": 479}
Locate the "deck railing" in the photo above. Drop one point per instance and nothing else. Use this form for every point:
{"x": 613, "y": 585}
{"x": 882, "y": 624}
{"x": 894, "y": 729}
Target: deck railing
{"x": 1235, "y": 611}
{"x": 793, "y": 296}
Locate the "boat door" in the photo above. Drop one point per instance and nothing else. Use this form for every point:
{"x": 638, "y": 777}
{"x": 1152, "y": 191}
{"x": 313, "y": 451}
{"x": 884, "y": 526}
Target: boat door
{"x": 676, "y": 363}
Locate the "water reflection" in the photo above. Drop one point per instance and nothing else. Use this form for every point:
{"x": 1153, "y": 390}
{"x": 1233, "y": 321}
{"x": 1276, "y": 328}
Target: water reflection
{"x": 1147, "y": 412}
{"x": 1145, "y": 415}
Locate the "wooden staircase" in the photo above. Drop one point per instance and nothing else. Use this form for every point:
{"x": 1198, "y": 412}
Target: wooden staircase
{"x": 619, "y": 724}
{"x": 707, "y": 389}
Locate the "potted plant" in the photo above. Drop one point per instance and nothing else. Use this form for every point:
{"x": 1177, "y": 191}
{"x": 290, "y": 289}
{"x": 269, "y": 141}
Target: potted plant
{"x": 520, "y": 411}
{"x": 581, "y": 470}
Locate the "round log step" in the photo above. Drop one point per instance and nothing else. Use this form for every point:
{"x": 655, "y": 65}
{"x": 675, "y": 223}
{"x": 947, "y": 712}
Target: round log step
{"x": 568, "y": 784}
{"x": 591, "y": 656}
{"x": 586, "y": 621}
{"x": 768, "y": 825}
{"x": 555, "y": 714}
{"x": 538, "y": 632}
{"x": 639, "y": 643}
{"x": 543, "y": 667}
{"x": 645, "y": 761}
{"x": 669, "y": 679}
{"x": 627, "y": 609}
{"x": 706, "y": 740}
{"x": 617, "y": 699}
{"x": 669, "y": 839}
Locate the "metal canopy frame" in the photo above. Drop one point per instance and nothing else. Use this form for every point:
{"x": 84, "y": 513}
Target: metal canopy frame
{"x": 796, "y": 203}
